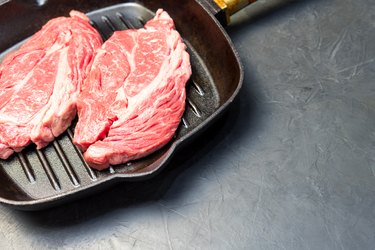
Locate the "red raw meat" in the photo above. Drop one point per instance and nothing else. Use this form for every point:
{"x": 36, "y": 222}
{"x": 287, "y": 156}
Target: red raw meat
{"x": 40, "y": 82}
{"x": 134, "y": 96}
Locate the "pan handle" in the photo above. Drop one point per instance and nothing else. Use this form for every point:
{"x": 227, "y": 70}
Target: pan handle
{"x": 223, "y": 9}
{"x": 232, "y": 6}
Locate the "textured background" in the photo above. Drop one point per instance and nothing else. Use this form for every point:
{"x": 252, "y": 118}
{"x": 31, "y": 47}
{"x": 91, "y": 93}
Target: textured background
{"x": 290, "y": 167}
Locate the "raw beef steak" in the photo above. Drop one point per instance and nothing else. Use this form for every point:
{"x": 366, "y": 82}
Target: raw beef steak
{"x": 134, "y": 96}
{"x": 40, "y": 82}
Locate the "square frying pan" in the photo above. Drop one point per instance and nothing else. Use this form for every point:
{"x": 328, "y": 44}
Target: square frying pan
{"x": 37, "y": 179}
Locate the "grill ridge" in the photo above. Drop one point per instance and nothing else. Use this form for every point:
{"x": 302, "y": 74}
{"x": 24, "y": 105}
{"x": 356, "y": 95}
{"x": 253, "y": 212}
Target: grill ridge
{"x": 89, "y": 170}
{"x": 197, "y": 87}
{"x": 26, "y": 167}
{"x": 125, "y": 21}
{"x": 95, "y": 25}
{"x": 194, "y": 107}
{"x": 109, "y": 23}
{"x": 111, "y": 170}
{"x": 141, "y": 20}
{"x": 48, "y": 170}
{"x": 185, "y": 122}
{"x": 68, "y": 167}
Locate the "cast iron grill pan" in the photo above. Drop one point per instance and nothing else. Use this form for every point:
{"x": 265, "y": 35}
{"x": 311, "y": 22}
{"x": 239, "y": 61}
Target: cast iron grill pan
{"x": 35, "y": 179}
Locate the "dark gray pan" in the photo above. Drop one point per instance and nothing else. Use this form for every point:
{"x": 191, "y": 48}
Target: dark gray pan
{"x": 37, "y": 179}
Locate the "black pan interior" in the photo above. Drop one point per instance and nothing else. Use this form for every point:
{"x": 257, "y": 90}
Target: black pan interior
{"x": 34, "y": 178}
